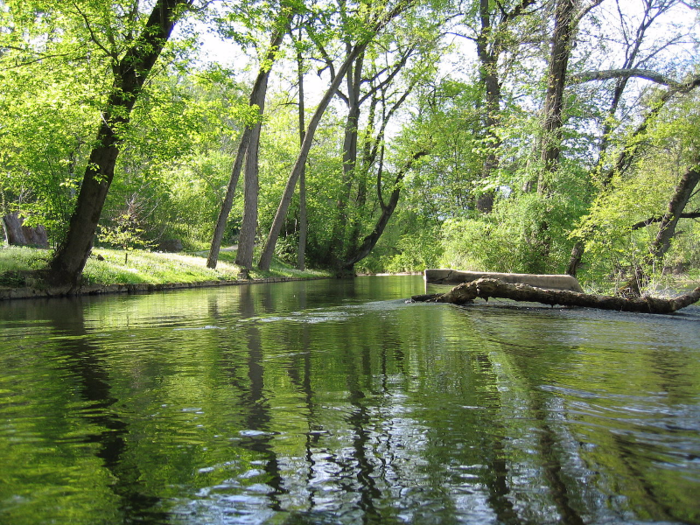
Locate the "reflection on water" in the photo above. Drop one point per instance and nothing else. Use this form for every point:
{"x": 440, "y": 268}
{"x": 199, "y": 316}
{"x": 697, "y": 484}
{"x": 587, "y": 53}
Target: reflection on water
{"x": 334, "y": 402}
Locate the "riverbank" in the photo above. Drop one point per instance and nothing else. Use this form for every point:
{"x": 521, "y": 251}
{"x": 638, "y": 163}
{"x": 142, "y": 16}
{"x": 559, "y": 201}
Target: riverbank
{"x": 111, "y": 271}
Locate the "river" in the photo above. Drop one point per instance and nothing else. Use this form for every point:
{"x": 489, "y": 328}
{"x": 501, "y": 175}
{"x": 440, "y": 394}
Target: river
{"x": 335, "y": 402}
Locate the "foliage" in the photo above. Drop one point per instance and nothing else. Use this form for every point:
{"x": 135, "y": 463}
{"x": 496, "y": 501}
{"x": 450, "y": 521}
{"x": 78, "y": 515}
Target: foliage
{"x": 419, "y": 90}
{"x": 125, "y": 234}
{"x": 618, "y": 247}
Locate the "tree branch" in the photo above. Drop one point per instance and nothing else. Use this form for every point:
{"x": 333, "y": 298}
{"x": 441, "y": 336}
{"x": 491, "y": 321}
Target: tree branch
{"x": 93, "y": 37}
{"x": 609, "y": 74}
{"x": 651, "y": 220}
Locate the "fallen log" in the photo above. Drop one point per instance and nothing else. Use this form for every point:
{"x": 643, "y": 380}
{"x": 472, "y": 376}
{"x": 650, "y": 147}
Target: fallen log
{"x": 485, "y": 288}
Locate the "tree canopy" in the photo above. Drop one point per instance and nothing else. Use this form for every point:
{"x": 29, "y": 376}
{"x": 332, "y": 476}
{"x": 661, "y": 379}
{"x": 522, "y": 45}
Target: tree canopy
{"x": 511, "y": 135}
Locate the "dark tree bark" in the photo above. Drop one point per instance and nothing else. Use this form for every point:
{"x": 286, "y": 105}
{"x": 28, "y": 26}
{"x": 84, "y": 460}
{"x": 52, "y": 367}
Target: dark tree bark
{"x": 667, "y": 229}
{"x": 486, "y": 288}
{"x": 654, "y": 220}
{"x": 388, "y": 208}
{"x": 353, "y": 83}
{"x": 562, "y": 40}
{"x": 130, "y": 73}
{"x": 490, "y": 42}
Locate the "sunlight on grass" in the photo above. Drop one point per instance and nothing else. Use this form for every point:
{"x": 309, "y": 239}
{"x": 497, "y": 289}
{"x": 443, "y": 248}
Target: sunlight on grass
{"x": 153, "y": 268}
{"x": 16, "y": 258}
{"x": 106, "y": 266}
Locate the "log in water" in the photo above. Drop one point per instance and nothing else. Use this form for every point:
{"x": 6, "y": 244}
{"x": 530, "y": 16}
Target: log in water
{"x": 485, "y": 288}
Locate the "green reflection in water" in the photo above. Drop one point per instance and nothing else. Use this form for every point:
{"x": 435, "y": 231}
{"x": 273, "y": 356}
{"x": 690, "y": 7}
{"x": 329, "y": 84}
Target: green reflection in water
{"x": 335, "y": 402}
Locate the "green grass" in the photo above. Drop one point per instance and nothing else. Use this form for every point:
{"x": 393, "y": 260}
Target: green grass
{"x": 17, "y": 265}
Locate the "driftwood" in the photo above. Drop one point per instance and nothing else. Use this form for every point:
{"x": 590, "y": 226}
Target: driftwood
{"x": 550, "y": 282}
{"x": 485, "y": 288}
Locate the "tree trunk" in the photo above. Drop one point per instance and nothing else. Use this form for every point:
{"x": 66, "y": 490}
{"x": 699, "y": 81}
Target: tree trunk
{"x": 350, "y": 140}
{"x": 269, "y": 248}
{"x": 369, "y": 150}
{"x": 370, "y": 240}
{"x": 227, "y": 204}
{"x": 356, "y": 51}
{"x": 490, "y": 42}
{"x": 303, "y": 222}
{"x": 485, "y": 288}
{"x": 17, "y": 234}
{"x": 667, "y": 229}
{"x": 575, "y": 258}
{"x": 488, "y": 75}
{"x": 130, "y": 73}
{"x": 249, "y": 226}
{"x": 556, "y": 82}
{"x": 631, "y": 53}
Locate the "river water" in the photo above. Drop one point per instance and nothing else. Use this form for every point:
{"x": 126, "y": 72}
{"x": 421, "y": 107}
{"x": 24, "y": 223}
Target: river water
{"x": 335, "y": 402}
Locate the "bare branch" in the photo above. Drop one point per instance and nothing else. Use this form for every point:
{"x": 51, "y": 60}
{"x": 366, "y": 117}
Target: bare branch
{"x": 585, "y": 11}
{"x": 609, "y": 74}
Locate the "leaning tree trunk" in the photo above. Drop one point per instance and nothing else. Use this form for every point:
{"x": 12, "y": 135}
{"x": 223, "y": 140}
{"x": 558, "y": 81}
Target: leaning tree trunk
{"x": 682, "y": 194}
{"x": 227, "y": 204}
{"x": 280, "y": 215}
{"x": 130, "y": 73}
{"x": 667, "y": 228}
{"x": 269, "y": 248}
{"x": 370, "y": 241}
{"x": 249, "y": 226}
{"x": 257, "y": 97}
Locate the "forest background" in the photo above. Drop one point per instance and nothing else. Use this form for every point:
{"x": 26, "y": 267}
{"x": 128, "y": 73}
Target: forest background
{"x": 539, "y": 136}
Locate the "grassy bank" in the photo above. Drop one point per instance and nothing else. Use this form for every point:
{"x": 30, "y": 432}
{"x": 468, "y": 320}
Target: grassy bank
{"x": 18, "y": 267}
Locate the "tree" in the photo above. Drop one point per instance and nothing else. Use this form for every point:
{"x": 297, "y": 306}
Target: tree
{"x": 636, "y": 61}
{"x": 387, "y": 210}
{"x": 491, "y": 41}
{"x": 248, "y": 151}
{"x": 631, "y": 149}
{"x": 303, "y": 220}
{"x": 130, "y": 69}
{"x": 378, "y": 22}
{"x": 567, "y": 16}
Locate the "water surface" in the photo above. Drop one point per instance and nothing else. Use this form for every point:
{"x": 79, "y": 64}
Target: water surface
{"x": 334, "y": 402}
